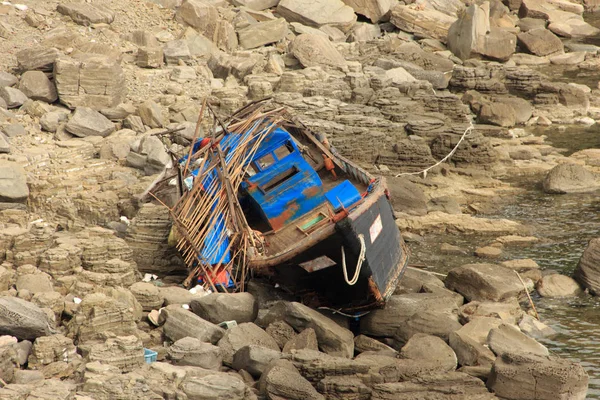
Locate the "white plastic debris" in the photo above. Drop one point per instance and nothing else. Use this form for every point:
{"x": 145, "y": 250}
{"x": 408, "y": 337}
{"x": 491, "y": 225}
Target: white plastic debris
{"x": 185, "y": 306}
{"x": 227, "y": 324}
{"x": 21, "y": 7}
{"x": 76, "y": 300}
{"x": 149, "y": 277}
{"x": 125, "y": 220}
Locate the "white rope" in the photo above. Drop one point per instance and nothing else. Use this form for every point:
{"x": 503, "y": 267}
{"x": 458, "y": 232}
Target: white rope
{"x": 361, "y": 258}
{"x": 424, "y": 172}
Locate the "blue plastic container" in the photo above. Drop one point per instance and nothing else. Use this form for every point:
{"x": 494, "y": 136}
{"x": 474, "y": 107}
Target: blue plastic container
{"x": 150, "y": 356}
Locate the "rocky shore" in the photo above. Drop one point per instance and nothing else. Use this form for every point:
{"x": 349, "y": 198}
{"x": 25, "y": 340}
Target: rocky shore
{"x": 396, "y": 86}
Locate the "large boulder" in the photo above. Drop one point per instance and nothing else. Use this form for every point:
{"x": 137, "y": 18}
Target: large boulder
{"x": 399, "y": 308}
{"x": 254, "y": 359}
{"x": 181, "y": 323}
{"x": 469, "y": 351}
{"x": 219, "y": 307}
{"x": 509, "y": 339}
{"x": 529, "y": 376}
{"x": 315, "y": 50}
{"x": 281, "y": 380}
{"x": 193, "y": 352}
{"x": 245, "y": 334}
{"x": 318, "y": 13}
{"x": 472, "y": 34}
{"x": 426, "y": 22}
{"x": 37, "y": 86}
{"x": 332, "y": 338}
{"x": 97, "y": 82}
{"x": 484, "y": 282}
{"x": 88, "y": 122}
{"x": 430, "y": 349}
{"x": 570, "y": 178}
{"x": 495, "y": 113}
{"x": 148, "y": 295}
{"x": 307, "y": 339}
{"x": 22, "y": 319}
{"x": 557, "y": 285}
{"x": 541, "y": 42}
{"x": 587, "y": 272}
{"x": 429, "y": 322}
{"x": 13, "y": 182}
{"x": 375, "y": 10}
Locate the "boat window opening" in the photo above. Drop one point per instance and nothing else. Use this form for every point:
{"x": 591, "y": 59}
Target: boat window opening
{"x": 312, "y": 223}
{"x": 252, "y": 170}
{"x": 279, "y": 179}
{"x": 266, "y": 161}
{"x": 284, "y": 150}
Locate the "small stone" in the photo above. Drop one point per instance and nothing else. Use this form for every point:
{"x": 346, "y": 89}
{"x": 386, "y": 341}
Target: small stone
{"x": 14, "y": 130}
{"x": 522, "y": 264}
{"x": 7, "y": 79}
{"x": 4, "y": 144}
{"x": 51, "y": 120}
{"x": 447, "y": 248}
{"x": 176, "y": 51}
{"x": 151, "y": 114}
{"x": 13, "y": 97}
{"x": 183, "y": 74}
{"x": 307, "y": 339}
{"x": 488, "y": 252}
{"x": 150, "y": 57}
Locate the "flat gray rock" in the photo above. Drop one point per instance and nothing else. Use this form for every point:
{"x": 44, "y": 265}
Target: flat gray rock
{"x": 86, "y": 13}
{"x": 570, "y": 178}
{"x": 13, "y": 97}
{"x": 13, "y": 183}
{"x": 220, "y": 307}
{"x": 529, "y": 376}
{"x": 22, "y": 319}
{"x": 87, "y": 122}
{"x": 484, "y": 282}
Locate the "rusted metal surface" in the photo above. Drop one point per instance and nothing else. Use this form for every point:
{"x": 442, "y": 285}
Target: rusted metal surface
{"x": 317, "y": 264}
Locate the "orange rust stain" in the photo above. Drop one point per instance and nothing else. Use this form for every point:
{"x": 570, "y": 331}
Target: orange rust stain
{"x": 311, "y": 191}
{"x": 280, "y": 221}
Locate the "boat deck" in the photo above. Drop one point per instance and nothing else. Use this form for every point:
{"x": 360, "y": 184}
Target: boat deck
{"x": 278, "y": 241}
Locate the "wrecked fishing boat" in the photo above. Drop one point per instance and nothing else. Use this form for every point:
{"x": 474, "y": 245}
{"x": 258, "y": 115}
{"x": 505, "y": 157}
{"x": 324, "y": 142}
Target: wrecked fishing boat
{"x": 260, "y": 194}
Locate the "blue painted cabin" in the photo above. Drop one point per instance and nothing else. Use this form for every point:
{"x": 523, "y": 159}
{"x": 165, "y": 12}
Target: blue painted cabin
{"x": 283, "y": 186}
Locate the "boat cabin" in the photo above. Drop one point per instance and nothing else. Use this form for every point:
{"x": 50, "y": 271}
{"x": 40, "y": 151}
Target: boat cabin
{"x": 282, "y": 186}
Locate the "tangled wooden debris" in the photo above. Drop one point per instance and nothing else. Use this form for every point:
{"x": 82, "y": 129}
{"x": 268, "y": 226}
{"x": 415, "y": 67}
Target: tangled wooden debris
{"x": 212, "y": 233}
